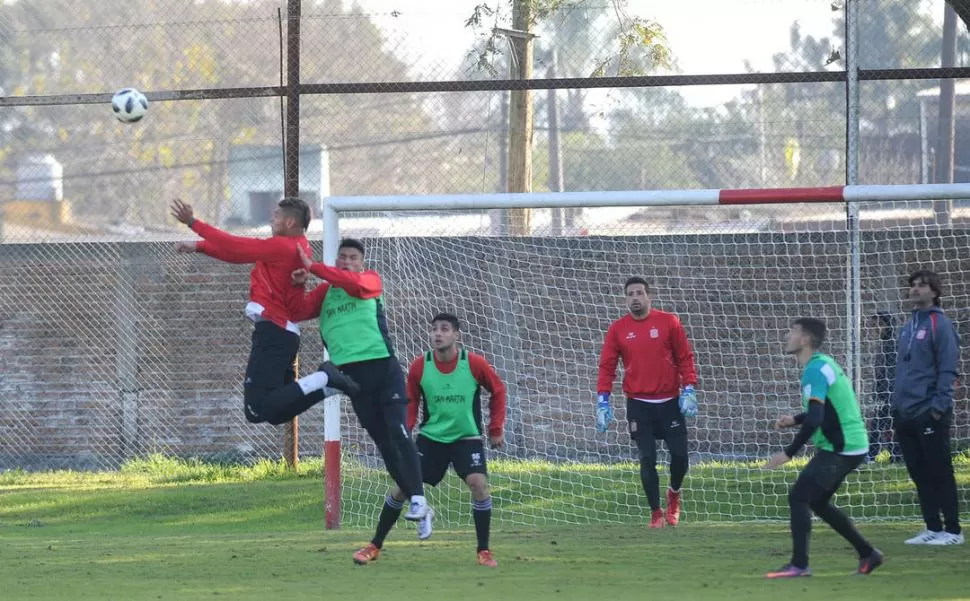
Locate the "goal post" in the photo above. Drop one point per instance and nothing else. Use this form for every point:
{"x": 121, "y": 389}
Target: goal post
{"x": 538, "y": 305}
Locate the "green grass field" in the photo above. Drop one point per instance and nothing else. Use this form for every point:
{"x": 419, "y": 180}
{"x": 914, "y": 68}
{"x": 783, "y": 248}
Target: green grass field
{"x": 163, "y": 529}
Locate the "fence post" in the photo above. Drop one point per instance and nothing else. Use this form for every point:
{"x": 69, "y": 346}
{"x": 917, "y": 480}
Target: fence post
{"x": 291, "y": 177}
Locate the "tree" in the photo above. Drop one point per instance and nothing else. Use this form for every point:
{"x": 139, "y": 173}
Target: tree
{"x": 114, "y": 172}
{"x": 892, "y": 34}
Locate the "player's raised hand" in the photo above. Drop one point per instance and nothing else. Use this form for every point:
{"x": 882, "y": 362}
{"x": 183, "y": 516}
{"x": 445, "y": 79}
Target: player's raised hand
{"x": 496, "y": 442}
{"x": 186, "y": 247}
{"x": 604, "y": 413}
{"x": 182, "y": 211}
{"x": 784, "y": 421}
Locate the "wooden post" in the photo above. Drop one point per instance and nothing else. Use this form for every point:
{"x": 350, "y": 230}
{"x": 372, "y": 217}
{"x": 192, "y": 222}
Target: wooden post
{"x": 521, "y": 115}
{"x": 291, "y": 177}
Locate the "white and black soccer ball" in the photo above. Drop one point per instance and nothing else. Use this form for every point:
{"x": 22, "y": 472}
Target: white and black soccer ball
{"x": 129, "y": 105}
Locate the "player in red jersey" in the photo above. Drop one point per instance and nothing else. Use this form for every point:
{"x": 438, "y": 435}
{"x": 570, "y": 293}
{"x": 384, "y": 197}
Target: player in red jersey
{"x": 271, "y": 391}
{"x": 658, "y": 381}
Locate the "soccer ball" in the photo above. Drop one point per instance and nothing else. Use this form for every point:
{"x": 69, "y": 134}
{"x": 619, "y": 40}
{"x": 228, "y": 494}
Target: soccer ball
{"x": 129, "y": 105}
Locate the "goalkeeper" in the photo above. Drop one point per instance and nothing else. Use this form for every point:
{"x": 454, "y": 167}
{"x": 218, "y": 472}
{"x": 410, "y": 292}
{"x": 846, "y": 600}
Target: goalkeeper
{"x": 658, "y": 381}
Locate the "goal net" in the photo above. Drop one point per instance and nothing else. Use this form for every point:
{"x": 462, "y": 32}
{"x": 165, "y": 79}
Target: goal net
{"x": 537, "y": 302}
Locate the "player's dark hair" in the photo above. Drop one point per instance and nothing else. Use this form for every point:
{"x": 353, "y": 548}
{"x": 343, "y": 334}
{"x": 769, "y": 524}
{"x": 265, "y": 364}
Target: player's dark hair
{"x": 352, "y": 243}
{"x": 448, "y": 317}
{"x": 636, "y": 280}
{"x": 815, "y": 328}
{"x": 932, "y": 279}
{"x": 298, "y": 209}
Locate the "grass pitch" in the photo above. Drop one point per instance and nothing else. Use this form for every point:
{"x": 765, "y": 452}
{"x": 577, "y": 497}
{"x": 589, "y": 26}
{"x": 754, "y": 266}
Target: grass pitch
{"x": 165, "y": 529}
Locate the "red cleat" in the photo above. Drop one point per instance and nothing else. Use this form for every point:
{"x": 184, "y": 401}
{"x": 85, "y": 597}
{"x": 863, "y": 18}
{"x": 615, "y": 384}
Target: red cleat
{"x": 367, "y": 554}
{"x": 673, "y": 507}
{"x": 485, "y": 559}
{"x": 657, "y": 518}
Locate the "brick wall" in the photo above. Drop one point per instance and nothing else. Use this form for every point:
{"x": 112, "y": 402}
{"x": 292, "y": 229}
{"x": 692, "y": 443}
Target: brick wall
{"x": 119, "y": 349}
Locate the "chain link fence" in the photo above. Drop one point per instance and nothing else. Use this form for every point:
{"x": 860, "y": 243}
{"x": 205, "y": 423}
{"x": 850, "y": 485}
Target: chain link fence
{"x": 114, "y": 347}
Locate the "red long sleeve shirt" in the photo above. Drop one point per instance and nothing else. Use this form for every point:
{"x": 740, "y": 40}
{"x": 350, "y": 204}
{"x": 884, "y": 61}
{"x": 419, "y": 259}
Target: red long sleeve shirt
{"x": 364, "y": 285}
{"x": 657, "y": 358}
{"x": 484, "y": 374}
{"x": 271, "y": 293}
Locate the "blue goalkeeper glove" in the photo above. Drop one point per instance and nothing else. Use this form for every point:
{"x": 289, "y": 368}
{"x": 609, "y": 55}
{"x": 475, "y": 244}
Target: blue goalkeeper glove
{"x": 688, "y": 401}
{"x": 604, "y": 413}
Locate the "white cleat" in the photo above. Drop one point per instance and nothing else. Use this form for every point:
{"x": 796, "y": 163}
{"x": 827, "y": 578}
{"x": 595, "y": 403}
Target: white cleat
{"x": 417, "y": 509}
{"x": 925, "y": 537}
{"x": 424, "y": 526}
{"x": 947, "y": 538}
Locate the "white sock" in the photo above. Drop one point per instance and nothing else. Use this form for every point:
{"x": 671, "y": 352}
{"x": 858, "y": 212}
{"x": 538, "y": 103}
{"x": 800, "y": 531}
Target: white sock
{"x": 315, "y": 381}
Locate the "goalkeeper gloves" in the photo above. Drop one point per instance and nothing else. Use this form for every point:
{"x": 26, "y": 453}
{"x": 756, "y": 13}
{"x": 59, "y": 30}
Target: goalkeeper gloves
{"x": 604, "y": 413}
{"x": 688, "y": 401}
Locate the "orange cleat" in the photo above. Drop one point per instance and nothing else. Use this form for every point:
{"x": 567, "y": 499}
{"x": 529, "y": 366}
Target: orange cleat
{"x": 367, "y": 554}
{"x": 657, "y": 518}
{"x": 673, "y": 507}
{"x": 485, "y": 559}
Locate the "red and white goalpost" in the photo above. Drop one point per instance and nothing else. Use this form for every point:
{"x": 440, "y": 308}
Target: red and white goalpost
{"x": 408, "y": 268}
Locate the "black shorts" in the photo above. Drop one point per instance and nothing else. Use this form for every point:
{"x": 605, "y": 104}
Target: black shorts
{"x": 270, "y": 366}
{"x": 828, "y": 470}
{"x": 382, "y": 386}
{"x": 467, "y": 455}
{"x": 649, "y": 422}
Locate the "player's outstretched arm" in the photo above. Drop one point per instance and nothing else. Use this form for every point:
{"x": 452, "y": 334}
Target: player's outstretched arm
{"x": 810, "y": 421}
{"x": 362, "y": 285}
{"x": 223, "y": 245}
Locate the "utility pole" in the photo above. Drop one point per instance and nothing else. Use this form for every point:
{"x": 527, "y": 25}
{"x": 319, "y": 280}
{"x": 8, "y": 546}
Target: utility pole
{"x": 521, "y": 114}
{"x": 555, "y": 154}
{"x": 947, "y": 124}
{"x": 291, "y": 179}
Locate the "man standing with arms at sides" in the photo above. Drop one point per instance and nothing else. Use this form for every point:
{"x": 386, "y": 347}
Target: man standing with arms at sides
{"x": 271, "y": 391}
{"x": 658, "y": 381}
{"x": 927, "y": 366}
{"x": 353, "y": 327}
{"x": 831, "y": 418}
{"x": 445, "y": 383}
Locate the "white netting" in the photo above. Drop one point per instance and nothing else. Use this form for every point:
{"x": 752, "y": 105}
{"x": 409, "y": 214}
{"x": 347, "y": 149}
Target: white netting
{"x": 538, "y": 307}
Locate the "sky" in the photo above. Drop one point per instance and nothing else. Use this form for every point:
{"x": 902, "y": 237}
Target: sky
{"x": 432, "y": 32}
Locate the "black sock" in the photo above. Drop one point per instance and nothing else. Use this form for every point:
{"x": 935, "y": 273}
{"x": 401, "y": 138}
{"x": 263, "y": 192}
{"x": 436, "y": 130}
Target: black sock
{"x": 836, "y": 518}
{"x": 801, "y": 530}
{"x": 678, "y": 469}
{"x": 482, "y": 513}
{"x": 650, "y": 481}
{"x": 389, "y": 514}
